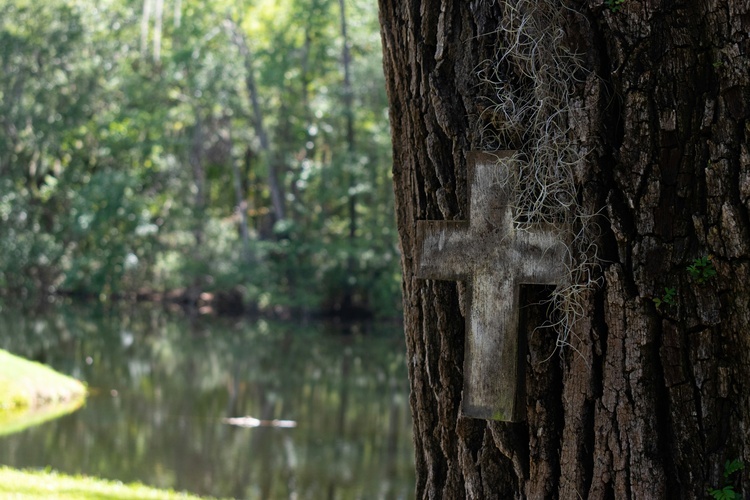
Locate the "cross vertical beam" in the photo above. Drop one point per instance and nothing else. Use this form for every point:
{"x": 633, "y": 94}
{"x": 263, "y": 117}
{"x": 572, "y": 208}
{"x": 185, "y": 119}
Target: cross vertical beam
{"x": 494, "y": 259}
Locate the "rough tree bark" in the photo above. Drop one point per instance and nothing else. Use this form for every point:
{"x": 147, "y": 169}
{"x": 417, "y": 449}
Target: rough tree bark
{"x": 648, "y": 402}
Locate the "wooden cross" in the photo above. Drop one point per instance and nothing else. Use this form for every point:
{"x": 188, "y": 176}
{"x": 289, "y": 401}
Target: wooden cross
{"x": 494, "y": 258}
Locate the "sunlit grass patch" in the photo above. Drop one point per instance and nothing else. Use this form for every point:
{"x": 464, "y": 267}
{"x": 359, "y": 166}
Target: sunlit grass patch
{"x": 31, "y": 393}
{"x": 29, "y": 485}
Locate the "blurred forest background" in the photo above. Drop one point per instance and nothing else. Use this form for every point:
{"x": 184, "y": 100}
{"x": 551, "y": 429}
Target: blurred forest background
{"x": 172, "y": 148}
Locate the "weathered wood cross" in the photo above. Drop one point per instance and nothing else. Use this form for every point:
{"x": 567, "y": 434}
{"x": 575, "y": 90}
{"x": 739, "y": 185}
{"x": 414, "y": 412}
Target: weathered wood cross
{"x": 495, "y": 258}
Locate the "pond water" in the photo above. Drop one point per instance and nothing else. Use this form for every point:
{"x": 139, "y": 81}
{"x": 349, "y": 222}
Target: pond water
{"x": 160, "y": 384}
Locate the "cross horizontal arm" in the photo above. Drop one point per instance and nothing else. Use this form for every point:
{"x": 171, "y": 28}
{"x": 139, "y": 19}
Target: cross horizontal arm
{"x": 540, "y": 256}
{"x": 443, "y": 250}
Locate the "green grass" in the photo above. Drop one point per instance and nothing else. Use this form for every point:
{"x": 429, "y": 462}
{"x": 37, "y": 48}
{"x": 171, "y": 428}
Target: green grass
{"x": 31, "y": 485}
{"x": 25, "y": 384}
{"x": 31, "y": 393}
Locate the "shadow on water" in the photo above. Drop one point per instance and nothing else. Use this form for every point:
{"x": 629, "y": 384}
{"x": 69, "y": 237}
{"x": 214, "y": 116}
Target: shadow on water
{"x": 160, "y": 385}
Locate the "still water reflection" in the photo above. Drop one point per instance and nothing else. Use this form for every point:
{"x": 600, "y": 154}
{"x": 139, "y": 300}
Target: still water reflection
{"x": 161, "y": 383}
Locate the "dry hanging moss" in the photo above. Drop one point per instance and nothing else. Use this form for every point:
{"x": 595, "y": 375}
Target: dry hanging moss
{"x": 529, "y": 86}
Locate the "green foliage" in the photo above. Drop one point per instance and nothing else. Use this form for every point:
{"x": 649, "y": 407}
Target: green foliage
{"x": 702, "y": 269}
{"x": 726, "y": 492}
{"x": 124, "y": 165}
{"x": 614, "y": 5}
{"x": 668, "y": 297}
{"x": 732, "y": 466}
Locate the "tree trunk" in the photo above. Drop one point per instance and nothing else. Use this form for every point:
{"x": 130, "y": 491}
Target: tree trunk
{"x": 145, "y": 20}
{"x": 239, "y": 195}
{"x": 347, "y": 304}
{"x": 196, "y": 160}
{"x": 158, "y": 25}
{"x": 275, "y": 185}
{"x": 649, "y": 398}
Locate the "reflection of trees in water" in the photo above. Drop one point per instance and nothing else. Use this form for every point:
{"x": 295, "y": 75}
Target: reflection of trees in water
{"x": 176, "y": 379}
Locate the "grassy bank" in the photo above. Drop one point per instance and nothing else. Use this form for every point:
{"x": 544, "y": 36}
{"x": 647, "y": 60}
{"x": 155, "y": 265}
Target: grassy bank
{"x": 32, "y": 485}
{"x": 28, "y": 385}
{"x": 31, "y": 393}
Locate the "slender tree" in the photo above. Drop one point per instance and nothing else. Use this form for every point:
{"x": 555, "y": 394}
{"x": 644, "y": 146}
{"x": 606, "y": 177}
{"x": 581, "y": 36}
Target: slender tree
{"x": 274, "y": 183}
{"x": 348, "y": 103}
{"x": 627, "y": 115}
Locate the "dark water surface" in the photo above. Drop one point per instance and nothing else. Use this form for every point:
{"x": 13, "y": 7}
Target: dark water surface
{"x": 160, "y": 384}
